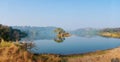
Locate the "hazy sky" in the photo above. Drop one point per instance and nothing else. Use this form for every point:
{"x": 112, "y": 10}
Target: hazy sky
{"x": 69, "y": 14}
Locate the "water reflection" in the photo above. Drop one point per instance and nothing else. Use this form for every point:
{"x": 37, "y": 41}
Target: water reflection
{"x": 55, "y": 38}
{"x": 59, "y": 39}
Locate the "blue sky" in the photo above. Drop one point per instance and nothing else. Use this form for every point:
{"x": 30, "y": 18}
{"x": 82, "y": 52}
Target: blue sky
{"x": 68, "y": 14}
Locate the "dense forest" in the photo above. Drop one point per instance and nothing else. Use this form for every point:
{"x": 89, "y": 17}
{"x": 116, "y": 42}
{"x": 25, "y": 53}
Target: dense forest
{"x": 9, "y": 34}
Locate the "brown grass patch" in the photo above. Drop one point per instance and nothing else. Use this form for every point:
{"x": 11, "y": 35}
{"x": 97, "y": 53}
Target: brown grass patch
{"x": 11, "y": 52}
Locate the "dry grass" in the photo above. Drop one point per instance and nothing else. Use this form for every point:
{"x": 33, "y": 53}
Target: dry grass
{"x": 112, "y": 55}
{"x": 10, "y": 52}
{"x": 49, "y": 58}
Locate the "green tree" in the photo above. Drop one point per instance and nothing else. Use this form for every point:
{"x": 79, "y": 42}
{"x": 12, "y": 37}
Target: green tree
{"x": 59, "y": 30}
{"x": 10, "y": 34}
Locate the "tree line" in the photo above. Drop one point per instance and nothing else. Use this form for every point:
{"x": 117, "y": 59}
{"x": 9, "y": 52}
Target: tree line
{"x": 9, "y": 34}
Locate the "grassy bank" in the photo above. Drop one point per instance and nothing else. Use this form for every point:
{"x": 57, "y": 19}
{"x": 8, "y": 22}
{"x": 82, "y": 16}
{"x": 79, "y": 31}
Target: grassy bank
{"x": 13, "y": 52}
{"x": 110, "y": 34}
{"x": 111, "y": 55}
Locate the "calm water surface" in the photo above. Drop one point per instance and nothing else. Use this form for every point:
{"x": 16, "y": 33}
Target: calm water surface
{"x": 74, "y": 45}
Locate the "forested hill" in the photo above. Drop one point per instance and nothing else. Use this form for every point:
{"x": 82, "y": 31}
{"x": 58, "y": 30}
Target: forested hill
{"x": 10, "y": 34}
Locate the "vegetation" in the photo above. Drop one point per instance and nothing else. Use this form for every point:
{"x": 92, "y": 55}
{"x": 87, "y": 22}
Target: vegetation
{"x": 17, "y": 52}
{"x": 61, "y": 34}
{"x": 10, "y": 34}
{"x": 111, "y": 55}
{"x": 110, "y": 32}
{"x": 14, "y": 52}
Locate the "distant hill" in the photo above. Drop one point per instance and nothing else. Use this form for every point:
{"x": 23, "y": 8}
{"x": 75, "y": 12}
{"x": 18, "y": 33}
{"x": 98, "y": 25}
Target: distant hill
{"x": 85, "y": 32}
{"x": 36, "y": 33}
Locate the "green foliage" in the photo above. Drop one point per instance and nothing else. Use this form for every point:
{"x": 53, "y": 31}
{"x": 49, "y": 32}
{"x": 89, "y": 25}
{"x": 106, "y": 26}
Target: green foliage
{"x": 10, "y": 34}
{"x": 59, "y": 30}
{"x": 61, "y": 34}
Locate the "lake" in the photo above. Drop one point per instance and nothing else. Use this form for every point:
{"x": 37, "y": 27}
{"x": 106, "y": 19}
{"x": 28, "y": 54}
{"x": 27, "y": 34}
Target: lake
{"x": 74, "y": 45}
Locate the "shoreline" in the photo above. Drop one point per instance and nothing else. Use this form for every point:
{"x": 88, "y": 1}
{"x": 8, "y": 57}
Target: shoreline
{"x": 11, "y": 50}
{"x": 65, "y": 55}
{"x": 109, "y": 55}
